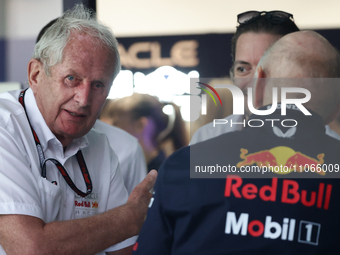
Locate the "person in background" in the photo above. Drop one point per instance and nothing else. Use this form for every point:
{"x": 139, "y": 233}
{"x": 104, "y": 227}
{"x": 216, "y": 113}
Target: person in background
{"x": 255, "y": 33}
{"x": 143, "y": 116}
{"x": 131, "y": 158}
{"x": 60, "y": 184}
{"x": 248, "y": 211}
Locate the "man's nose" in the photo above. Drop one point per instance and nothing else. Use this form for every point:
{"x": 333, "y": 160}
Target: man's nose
{"x": 83, "y": 94}
{"x": 243, "y": 83}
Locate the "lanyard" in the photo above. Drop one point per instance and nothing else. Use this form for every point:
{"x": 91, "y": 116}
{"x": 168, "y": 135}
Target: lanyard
{"x": 60, "y": 167}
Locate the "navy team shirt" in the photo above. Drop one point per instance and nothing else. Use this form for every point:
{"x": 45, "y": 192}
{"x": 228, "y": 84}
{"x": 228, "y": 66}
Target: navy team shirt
{"x": 284, "y": 214}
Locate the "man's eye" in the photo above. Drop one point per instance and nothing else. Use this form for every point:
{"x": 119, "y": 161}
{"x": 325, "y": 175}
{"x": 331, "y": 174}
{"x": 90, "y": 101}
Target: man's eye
{"x": 240, "y": 69}
{"x": 71, "y": 78}
{"x": 99, "y": 85}
{"x": 71, "y": 81}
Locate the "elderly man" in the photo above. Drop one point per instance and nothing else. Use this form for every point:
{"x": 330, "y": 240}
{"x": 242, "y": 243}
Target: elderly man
{"x": 59, "y": 180}
{"x": 130, "y": 154}
{"x": 269, "y": 213}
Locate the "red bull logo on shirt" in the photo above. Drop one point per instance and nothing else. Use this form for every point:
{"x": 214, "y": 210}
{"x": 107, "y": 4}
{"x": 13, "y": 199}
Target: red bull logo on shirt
{"x": 88, "y": 206}
{"x": 291, "y": 192}
{"x": 283, "y": 160}
{"x": 82, "y": 204}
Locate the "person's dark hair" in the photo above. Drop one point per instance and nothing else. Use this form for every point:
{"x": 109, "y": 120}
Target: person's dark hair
{"x": 177, "y": 132}
{"x": 149, "y": 106}
{"x": 262, "y": 25}
{"x": 43, "y": 30}
{"x": 138, "y": 105}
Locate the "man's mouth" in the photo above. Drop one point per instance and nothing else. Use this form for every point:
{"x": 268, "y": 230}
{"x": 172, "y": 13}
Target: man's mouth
{"x": 76, "y": 114}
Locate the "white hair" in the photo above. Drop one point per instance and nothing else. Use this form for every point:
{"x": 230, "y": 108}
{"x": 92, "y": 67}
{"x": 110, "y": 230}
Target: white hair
{"x": 49, "y": 49}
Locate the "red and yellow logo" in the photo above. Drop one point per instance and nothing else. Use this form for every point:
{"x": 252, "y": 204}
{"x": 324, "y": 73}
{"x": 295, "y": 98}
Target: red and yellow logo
{"x": 281, "y": 156}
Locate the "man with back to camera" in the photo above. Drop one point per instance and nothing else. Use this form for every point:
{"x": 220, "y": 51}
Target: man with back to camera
{"x": 255, "y": 33}
{"x": 240, "y": 215}
{"x": 61, "y": 189}
{"x": 130, "y": 154}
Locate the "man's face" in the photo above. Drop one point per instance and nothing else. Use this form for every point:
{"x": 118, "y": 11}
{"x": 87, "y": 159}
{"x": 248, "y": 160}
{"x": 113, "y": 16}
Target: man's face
{"x": 249, "y": 49}
{"x": 71, "y": 98}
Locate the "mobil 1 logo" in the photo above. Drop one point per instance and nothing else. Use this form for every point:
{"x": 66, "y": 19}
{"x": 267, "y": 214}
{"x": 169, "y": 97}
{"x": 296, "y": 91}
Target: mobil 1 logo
{"x": 308, "y": 232}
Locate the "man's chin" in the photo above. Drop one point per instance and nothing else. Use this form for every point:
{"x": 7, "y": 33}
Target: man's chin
{"x": 67, "y": 136}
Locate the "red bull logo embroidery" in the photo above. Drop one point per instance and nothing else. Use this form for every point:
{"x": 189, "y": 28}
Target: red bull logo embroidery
{"x": 82, "y": 204}
{"x": 291, "y": 193}
{"x": 86, "y": 207}
{"x": 284, "y": 157}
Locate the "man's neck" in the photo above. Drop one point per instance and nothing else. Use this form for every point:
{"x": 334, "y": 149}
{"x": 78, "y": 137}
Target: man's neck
{"x": 335, "y": 126}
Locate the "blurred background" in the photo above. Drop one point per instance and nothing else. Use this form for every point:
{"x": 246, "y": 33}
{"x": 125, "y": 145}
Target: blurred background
{"x": 162, "y": 43}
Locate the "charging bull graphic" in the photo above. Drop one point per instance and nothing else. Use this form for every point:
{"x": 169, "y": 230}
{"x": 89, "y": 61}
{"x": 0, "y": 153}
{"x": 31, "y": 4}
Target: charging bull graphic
{"x": 281, "y": 156}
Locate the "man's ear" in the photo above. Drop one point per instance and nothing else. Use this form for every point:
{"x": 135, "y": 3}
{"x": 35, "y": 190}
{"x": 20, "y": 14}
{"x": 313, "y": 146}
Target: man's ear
{"x": 259, "y": 87}
{"x": 34, "y": 71}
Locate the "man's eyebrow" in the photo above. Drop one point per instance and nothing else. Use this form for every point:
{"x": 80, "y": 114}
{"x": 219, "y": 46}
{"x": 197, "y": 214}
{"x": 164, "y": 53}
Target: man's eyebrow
{"x": 70, "y": 71}
{"x": 241, "y": 62}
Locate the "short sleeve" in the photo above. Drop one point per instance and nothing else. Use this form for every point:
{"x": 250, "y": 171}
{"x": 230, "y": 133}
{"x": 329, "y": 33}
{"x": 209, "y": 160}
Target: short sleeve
{"x": 19, "y": 188}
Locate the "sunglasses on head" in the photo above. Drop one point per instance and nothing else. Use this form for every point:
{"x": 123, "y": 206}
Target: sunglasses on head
{"x": 275, "y": 17}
